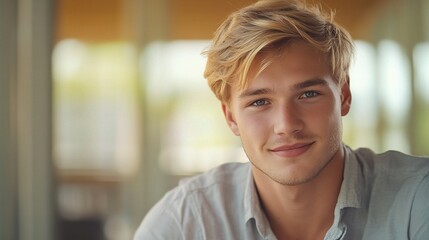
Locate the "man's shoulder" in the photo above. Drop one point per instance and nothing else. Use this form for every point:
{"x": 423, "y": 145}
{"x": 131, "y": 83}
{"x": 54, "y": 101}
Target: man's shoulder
{"x": 224, "y": 174}
{"x": 394, "y": 188}
{"x": 221, "y": 181}
{"x": 392, "y": 161}
{"x": 205, "y": 199}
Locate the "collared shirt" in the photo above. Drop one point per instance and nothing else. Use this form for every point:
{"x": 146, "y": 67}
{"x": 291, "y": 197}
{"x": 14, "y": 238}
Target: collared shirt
{"x": 382, "y": 196}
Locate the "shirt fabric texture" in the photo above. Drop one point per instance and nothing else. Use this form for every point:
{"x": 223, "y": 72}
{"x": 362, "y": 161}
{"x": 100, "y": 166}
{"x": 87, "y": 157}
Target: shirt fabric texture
{"x": 382, "y": 196}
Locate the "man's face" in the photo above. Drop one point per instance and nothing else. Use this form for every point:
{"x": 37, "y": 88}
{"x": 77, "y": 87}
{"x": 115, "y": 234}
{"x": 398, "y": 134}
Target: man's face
{"x": 289, "y": 116}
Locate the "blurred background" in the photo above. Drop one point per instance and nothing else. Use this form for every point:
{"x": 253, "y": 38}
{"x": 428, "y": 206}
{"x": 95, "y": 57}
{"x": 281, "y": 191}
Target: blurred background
{"x": 103, "y": 107}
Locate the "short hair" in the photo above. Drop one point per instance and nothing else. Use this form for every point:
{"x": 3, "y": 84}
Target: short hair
{"x": 269, "y": 25}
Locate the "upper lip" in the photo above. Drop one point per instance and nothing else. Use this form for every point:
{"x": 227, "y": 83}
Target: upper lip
{"x": 290, "y": 146}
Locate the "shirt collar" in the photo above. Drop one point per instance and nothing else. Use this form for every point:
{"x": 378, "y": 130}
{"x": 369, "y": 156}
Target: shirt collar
{"x": 250, "y": 197}
{"x": 252, "y": 207}
{"x": 351, "y": 192}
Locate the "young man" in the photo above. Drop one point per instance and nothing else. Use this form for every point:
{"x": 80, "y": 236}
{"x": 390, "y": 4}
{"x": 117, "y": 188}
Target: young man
{"x": 280, "y": 70}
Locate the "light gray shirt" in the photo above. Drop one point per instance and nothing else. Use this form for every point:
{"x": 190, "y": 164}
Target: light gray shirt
{"x": 383, "y": 197}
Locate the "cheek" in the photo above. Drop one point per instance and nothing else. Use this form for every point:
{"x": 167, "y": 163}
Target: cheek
{"x": 332, "y": 124}
{"x": 325, "y": 117}
{"x": 254, "y": 128}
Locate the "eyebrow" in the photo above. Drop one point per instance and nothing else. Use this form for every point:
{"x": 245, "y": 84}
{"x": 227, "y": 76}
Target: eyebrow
{"x": 310, "y": 83}
{"x": 298, "y": 86}
{"x": 256, "y": 92}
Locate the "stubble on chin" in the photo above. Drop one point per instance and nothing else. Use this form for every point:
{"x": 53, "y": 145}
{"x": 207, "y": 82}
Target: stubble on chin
{"x": 334, "y": 145}
{"x": 291, "y": 180}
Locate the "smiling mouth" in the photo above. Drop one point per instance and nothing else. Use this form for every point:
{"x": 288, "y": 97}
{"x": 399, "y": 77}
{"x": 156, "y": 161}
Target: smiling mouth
{"x": 293, "y": 150}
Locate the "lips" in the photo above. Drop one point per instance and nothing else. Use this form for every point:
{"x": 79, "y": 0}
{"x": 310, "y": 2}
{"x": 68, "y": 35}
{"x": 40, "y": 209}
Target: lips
{"x": 293, "y": 150}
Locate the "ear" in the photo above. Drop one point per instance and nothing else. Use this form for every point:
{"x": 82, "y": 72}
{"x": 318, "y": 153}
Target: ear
{"x": 230, "y": 120}
{"x": 346, "y": 97}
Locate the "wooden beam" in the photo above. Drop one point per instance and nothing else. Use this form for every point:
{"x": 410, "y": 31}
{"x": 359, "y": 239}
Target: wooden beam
{"x": 92, "y": 20}
{"x": 196, "y": 19}
{"x": 111, "y": 20}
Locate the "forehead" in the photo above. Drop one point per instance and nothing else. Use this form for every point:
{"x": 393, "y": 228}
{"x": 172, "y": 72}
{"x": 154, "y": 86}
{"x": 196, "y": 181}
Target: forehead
{"x": 294, "y": 60}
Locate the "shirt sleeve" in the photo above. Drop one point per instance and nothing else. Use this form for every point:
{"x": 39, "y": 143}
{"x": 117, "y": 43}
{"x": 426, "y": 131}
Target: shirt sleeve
{"x": 159, "y": 224}
{"x": 419, "y": 223}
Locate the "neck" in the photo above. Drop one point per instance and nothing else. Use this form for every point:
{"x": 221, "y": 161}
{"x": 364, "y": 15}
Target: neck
{"x": 304, "y": 211}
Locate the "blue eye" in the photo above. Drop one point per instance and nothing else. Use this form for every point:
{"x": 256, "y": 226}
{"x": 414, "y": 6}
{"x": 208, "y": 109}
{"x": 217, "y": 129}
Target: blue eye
{"x": 309, "y": 94}
{"x": 260, "y": 102}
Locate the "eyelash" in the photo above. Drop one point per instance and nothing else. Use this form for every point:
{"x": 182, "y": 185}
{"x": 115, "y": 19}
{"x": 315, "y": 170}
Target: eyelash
{"x": 313, "y": 93}
{"x": 264, "y": 102}
{"x": 254, "y": 103}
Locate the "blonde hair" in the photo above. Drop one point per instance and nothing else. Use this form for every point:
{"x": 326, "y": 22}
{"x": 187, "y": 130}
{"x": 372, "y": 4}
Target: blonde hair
{"x": 269, "y": 25}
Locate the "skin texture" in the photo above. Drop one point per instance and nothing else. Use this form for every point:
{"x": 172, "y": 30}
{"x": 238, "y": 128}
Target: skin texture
{"x": 289, "y": 120}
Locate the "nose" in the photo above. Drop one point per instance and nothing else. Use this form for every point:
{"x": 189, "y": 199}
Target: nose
{"x": 288, "y": 120}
